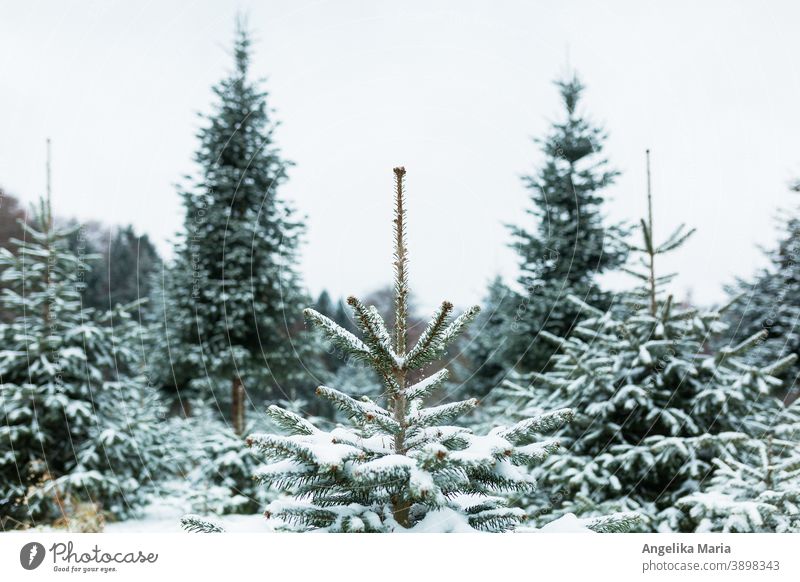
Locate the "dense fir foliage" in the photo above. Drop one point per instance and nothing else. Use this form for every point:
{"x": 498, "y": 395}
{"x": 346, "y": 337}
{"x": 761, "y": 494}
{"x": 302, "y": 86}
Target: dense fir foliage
{"x": 74, "y": 412}
{"x": 653, "y": 407}
{"x": 489, "y": 349}
{"x": 771, "y": 302}
{"x": 234, "y": 291}
{"x": 400, "y": 463}
{"x": 125, "y": 270}
{"x": 759, "y": 489}
{"x": 562, "y": 249}
{"x": 603, "y": 412}
{"x": 216, "y": 466}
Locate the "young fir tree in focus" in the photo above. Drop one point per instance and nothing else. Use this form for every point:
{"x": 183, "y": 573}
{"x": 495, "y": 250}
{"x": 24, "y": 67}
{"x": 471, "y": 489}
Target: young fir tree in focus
{"x": 563, "y": 247}
{"x": 401, "y": 464}
{"x": 653, "y": 408}
{"x": 234, "y": 290}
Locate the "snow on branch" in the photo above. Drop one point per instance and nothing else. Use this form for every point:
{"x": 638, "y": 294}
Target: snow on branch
{"x": 289, "y": 421}
{"x": 440, "y": 414}
{"x": 424, "y": 387}
{"x": 547, "y": 422}
{"x": 429, "y": 340}
{"x": 339, "y": 336}
{"x": 376, "y": 336}
{"x": 196, "y": 524}
{"x": 361, "y": 412}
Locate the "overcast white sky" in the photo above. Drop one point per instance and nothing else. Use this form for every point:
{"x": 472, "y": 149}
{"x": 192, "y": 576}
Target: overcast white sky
{"x": 452, "y": 90}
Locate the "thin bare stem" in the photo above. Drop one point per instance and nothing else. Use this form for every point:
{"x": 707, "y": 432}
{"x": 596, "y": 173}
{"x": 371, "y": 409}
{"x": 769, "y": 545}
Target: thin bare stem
{"x": 400, "y": 264}
{"x": 399, "y": 404}
{"x": 650, "y": 246}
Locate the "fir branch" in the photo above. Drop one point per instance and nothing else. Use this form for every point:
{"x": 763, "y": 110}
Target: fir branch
{"x": 585, "y": 306}
{"x": 456, "y": 327}
{"x": 614, "y": 523}
{"x": 742, "y": 347}
{"x": 534, "y": 452}
{"x": 280, "y": 447}
{"x": 530, "y": 427}
{"x": 675, "y": 240}
{"x": 425, "y": 387}
{"x": 361, "y": 412}
{"x": 440, "y": 414}
{"x": 196, "y": 524}
{"x": 781, "y": 365}
{"x": 376, "y": 336}
{"x": 339, "y": 336}
{"x": 389, "y": 469}
{"x": 289, "y": 421}
{"x": 430, "y": 338}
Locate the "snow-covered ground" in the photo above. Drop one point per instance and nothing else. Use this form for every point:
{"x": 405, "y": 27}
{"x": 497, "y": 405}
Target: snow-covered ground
{"x": 163, "y": 517}
{"x": 166, "y": 519}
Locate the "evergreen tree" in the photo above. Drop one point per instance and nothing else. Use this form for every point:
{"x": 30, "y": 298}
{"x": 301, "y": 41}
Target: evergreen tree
{"x": 11, "y": 215}
{"x": 234, "y": 289}
{"x": 653, "y": 407}
{"x": 489, "y": 350}
{"x": 125, "y": 273}
{"x": 215, "y": 464}
{"x": 125, "y": 455}
{"x": 759, "y": 489}
{"x": 569, "y": 244}
{"x": 401, "y": 464}
{"x": 63, "y": 382}
{"x": 769, "y": 302}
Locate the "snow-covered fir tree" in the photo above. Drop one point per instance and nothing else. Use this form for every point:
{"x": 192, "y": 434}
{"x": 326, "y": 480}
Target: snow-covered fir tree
{"x": 234, "y": 290}
{"x": 652, "y": 407}
{"x": 400, "y": 464}
{"x": 216, "y": 467}
{"x": 770, "y": 302}
{"x": 562, "y": 250}
{"x": 126, "y": 454}
{"x": 489, "y": 349}
{"x": 758, "y": 489}
{"x": 66, "y": 387}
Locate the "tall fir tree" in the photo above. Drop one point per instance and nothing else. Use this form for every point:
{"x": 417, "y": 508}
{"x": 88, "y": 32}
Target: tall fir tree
{"x": 234, "y": 290}
{"x": 653, "y": 407}
{"x": 563, "y": 249}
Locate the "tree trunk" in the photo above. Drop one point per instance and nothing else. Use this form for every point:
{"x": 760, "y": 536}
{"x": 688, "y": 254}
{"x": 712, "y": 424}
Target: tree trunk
{"x": 237, "y": 409}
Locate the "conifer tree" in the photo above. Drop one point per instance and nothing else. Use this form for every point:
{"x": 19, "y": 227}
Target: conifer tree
{"x": 653, "y": 409}
{"x": 489, "y": 350}
{"x": 125, "y": 456}
{"x": 401, "y": 464}
{"x": 569, "y": 244}
{"x": 758, "y": 489}
{"x": 769, "y": 303}
{"x": 216, "y": 466}
{"x": 65, "y": 384}
{"x": 234, "y": 289}
{"x": 124, "y": 273}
